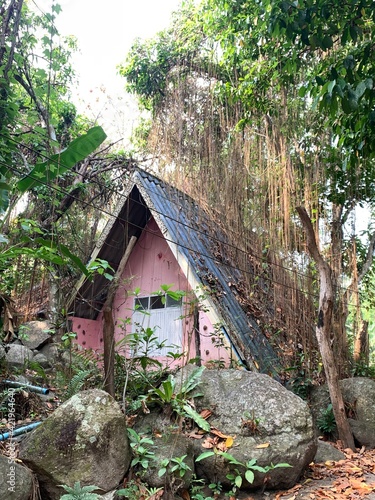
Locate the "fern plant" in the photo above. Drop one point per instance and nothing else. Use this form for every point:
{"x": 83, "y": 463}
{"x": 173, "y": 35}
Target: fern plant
{"x": 77, "y": 383}
{"x": 326, "y": 421}
{"x": 79, "y": 492}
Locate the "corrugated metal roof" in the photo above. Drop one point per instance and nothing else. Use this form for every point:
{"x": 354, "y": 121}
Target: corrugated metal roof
{"x": 200, "y": 242}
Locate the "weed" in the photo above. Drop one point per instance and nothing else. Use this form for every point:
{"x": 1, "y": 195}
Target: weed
{"x": 175, "y": 465}
{"x": 197, "y": 488}
{"x": 326, "y": 421}
{"x": 177, "y": 397}
{"x": 362, "y": 369}
{"x": 241, "y": 470}
{"x": 140, "y": 447}
{"x": 79, "y": 492}
{"x": 250, "y": 423}
{"x": 135, "y": 489}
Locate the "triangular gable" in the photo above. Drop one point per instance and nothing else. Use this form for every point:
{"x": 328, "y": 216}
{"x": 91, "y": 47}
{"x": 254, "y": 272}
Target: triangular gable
{"x": 199, "y": 252}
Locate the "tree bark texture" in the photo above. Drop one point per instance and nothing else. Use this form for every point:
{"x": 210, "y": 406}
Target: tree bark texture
{"x": 324, "y": 332}
{"x": 361, "y": 344}
{"x": 109, "y": 325}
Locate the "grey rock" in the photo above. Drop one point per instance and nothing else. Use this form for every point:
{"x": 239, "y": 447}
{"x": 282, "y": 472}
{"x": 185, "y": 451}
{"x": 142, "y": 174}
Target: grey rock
{"x": 2, "y": 352}
{"x": 36, "y": 334}
{"x": 171, "y": 446}
{"x": 16, "y": 481}
{"x": 51, "y": 352}
{"x": 84, "y": 440}
{"x": 268, "y": 423}
{"x": 326, "y": 451}
{"x": 363, "y": 432}
{"x": 18, "y": 355}
{"x": 111, "y": 495}
{"x": 42, "y": 360}
{"x": 359, "y": 398}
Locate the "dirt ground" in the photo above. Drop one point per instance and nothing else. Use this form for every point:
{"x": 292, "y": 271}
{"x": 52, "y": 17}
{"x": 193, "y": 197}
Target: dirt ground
{"x": 349, "y": 479}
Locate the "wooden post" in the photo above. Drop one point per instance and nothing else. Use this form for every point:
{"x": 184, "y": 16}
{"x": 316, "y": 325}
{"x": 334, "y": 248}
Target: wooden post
{"x": 108, "y": 323}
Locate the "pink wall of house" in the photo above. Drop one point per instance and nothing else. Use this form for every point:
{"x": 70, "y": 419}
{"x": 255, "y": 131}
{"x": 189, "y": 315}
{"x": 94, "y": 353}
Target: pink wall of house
{"x": 151, "y": 264}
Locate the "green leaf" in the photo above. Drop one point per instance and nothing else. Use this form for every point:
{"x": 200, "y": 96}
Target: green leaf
{"x": 51, "y": 246}
{"x": 349, "y": 105}
{"x": 204, "y": 455}
{"x": 201, "y": 422}
{"x": 361, "y": 88}
{"x": 249, "y": 476}
{"x": 230, "y": 458}
{"x": 60, "y": 163}
{"x": 327, "y": 42}
{"x": 258, "y": 468}
{"x": 238, "y": 481}
{"x": 331, "y": 86}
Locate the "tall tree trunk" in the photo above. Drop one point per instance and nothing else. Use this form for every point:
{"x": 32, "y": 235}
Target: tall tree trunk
{"x": 108, "y": 323}
{"x": 361, "y": 342}
{"x": 324, "y": 332}
{"x": 340, "y": 309}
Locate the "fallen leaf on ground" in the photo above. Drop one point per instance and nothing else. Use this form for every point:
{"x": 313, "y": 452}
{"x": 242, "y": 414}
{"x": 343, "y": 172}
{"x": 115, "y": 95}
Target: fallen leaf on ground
{"x": 263, "y": 445}
{"x": 218, "y": 433}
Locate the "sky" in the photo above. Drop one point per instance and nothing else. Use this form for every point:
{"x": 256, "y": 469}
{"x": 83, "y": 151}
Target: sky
{"x": 105, "y": 30}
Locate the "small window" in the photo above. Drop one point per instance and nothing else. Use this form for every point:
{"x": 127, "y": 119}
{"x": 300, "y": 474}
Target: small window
{"x": 157, "y": 302}
{"x": 141, "y": 304}
{"x": 170, "y": 302}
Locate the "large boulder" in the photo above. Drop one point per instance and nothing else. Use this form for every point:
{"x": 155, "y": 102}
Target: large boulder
{"x": 266, "y": 421}
{"x": 84, "y": 440}
{"x": 359, "y": 398}
{"x": 18, "y": 355}
{"x": 16, "y": 481}
{"x": 36, "y": 334}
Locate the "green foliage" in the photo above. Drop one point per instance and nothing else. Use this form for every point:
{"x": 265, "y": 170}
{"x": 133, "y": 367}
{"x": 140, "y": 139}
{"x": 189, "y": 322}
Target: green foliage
{"x": 79, "y": 492}
{"x": 140, "y": 445}
{"x": 242, "y": 470}
{"x": 300, "y": 381}
{"x": 197, "y": 489}
{"x": 326, "y": 421}
{"x": 101, "y": 267}
{"x": 60, "y": 163}
{"x": 175, "y": 465}
{"x": 82, "y": 371}
{"x": 363, "y": 369}
{"x": 41, "y": 137}
{"x": 177, "y": 396}
{"x": 135, "y": 489}
{"x": 149, "y": 64}
{"x": 76, "y": 383}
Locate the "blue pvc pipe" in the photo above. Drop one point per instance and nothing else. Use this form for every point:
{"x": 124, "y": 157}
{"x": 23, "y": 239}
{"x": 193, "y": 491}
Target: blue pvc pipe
{"x": 32, "y": 388}
{"x": 19, "y": 431}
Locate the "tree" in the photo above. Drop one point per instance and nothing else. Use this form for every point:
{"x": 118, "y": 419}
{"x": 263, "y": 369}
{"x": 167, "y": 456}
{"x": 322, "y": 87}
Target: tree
{"x": 41, "y": 138}
{"x": 291, "y": 97}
